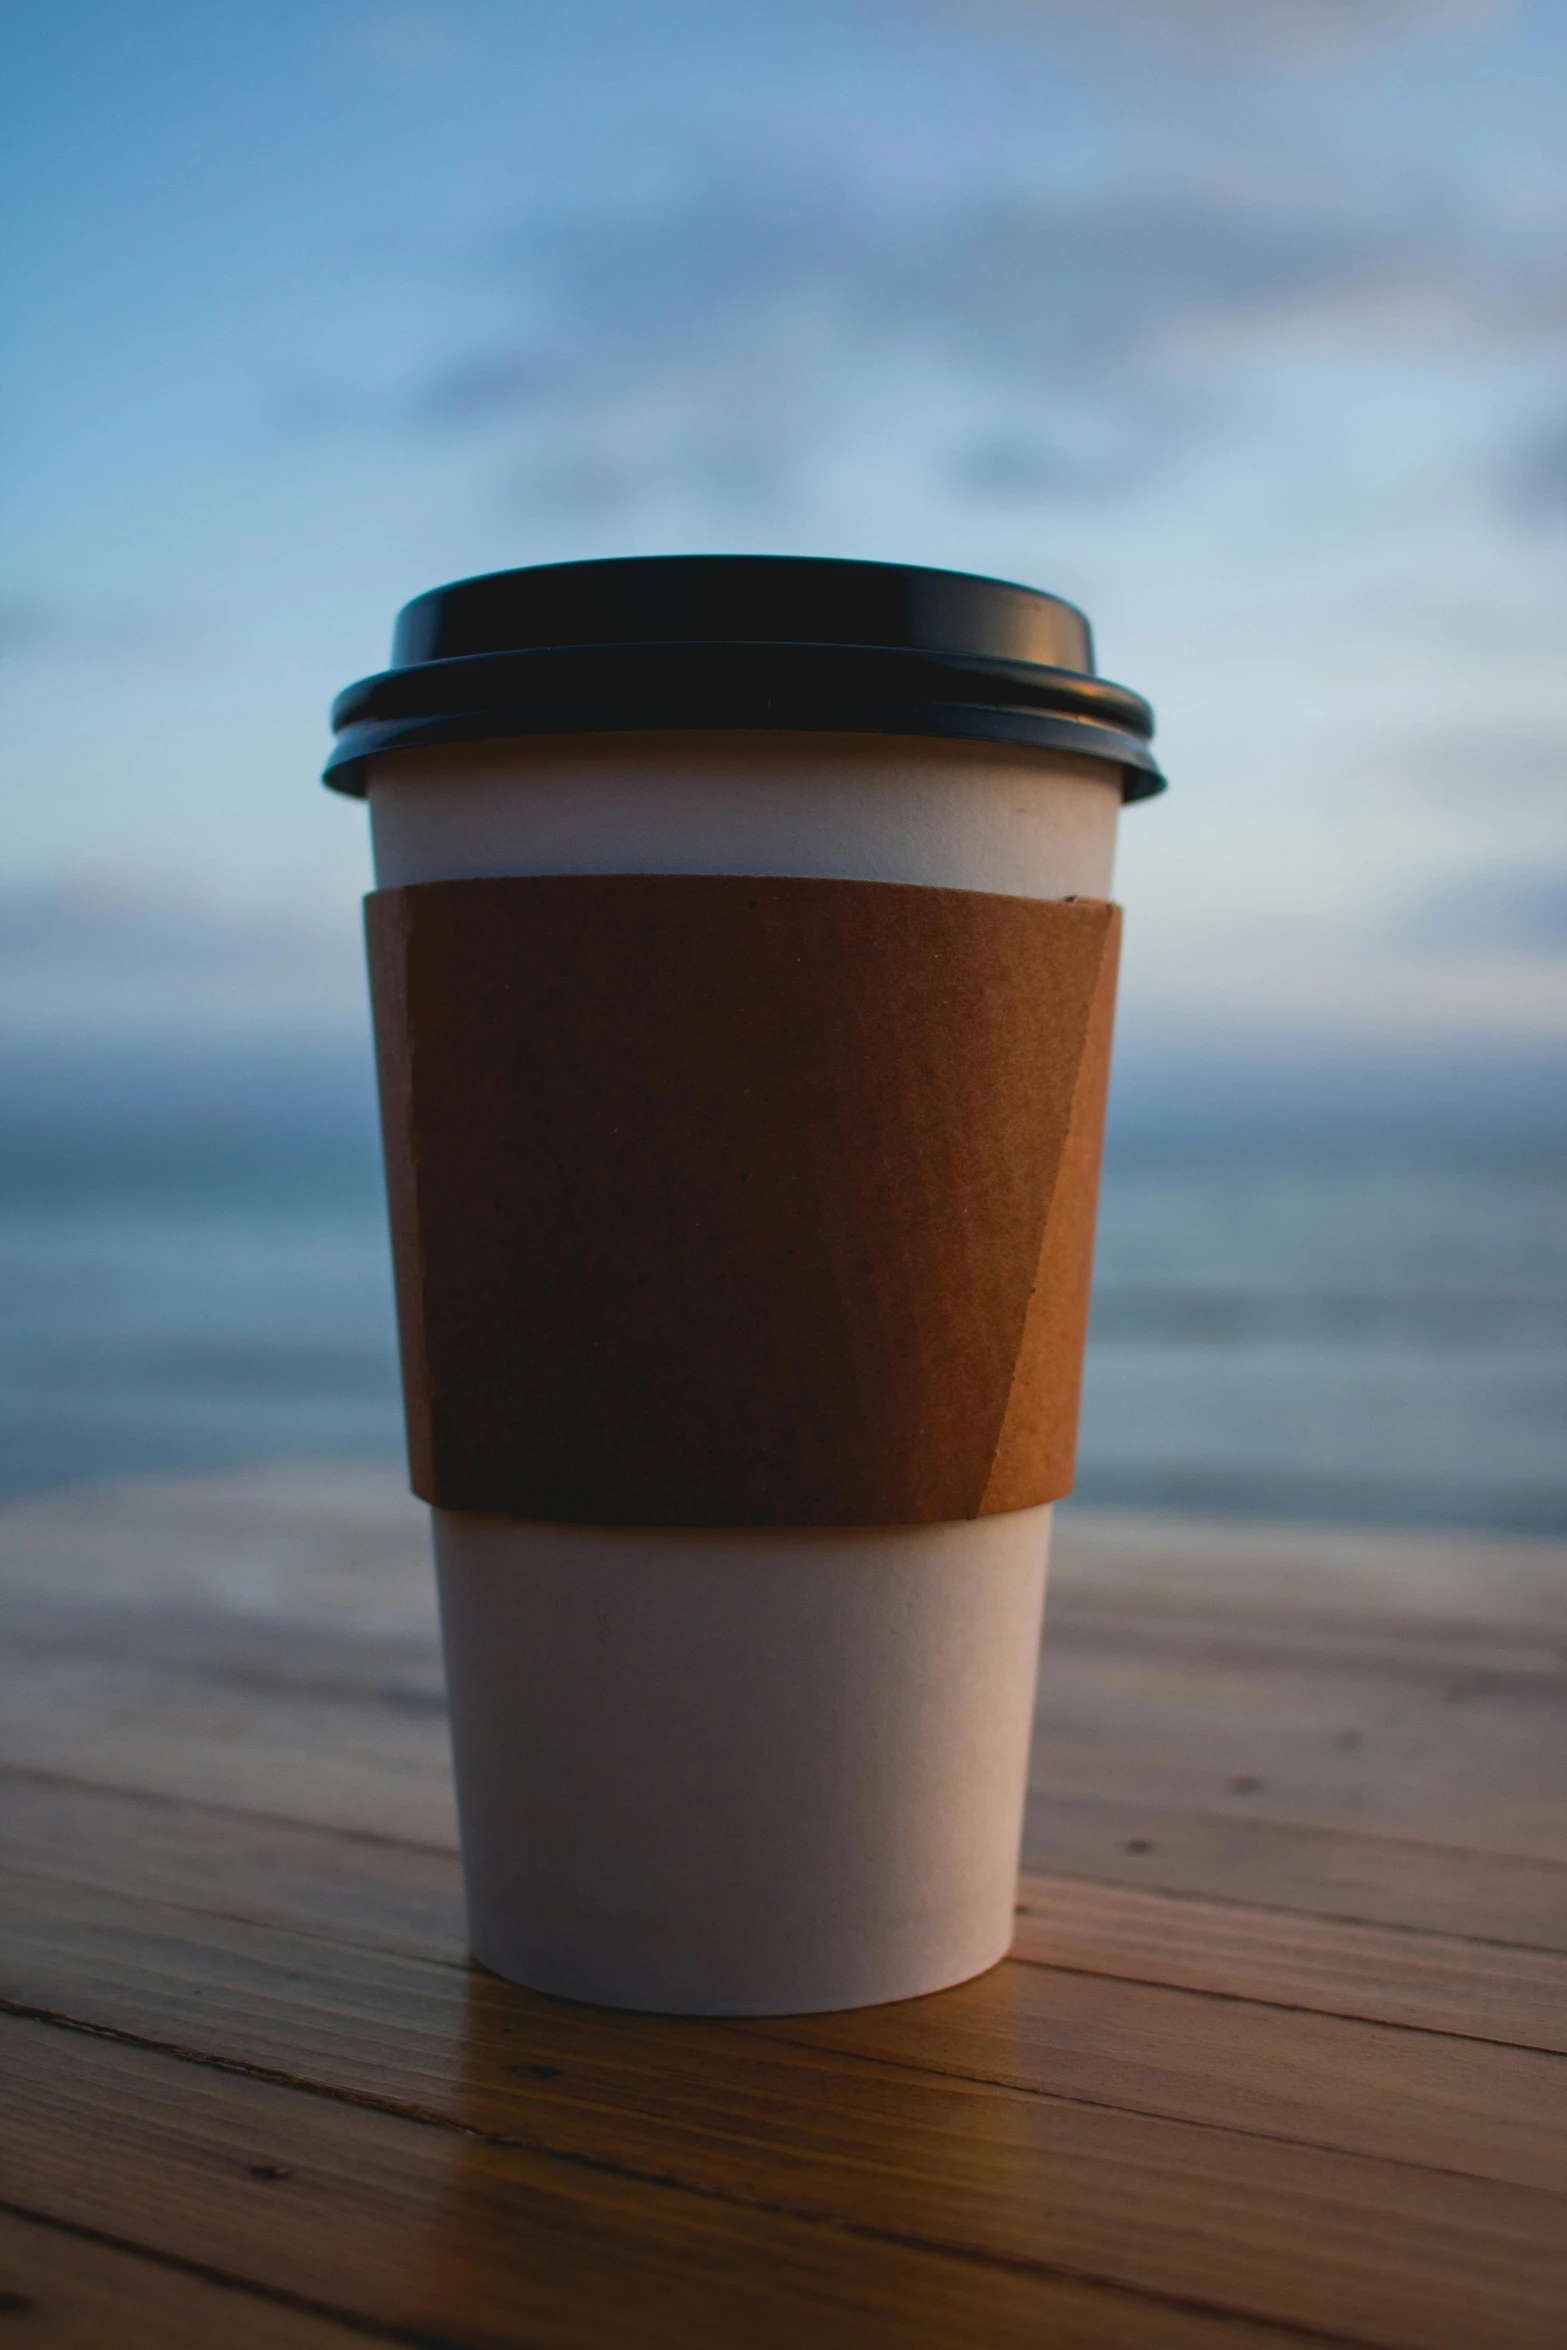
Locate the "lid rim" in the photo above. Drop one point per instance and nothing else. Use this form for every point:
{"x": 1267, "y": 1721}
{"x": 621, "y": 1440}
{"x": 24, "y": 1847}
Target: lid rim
{"x": 740, "y": 666}
{"x": 369, "y": 739}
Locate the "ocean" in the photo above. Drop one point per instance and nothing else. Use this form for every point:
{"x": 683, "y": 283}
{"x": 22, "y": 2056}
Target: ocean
{"x": 1327, "y": 1320}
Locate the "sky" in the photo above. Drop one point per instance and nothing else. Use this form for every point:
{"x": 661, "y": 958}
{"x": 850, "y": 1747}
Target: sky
{"x": 1241, "y": 323}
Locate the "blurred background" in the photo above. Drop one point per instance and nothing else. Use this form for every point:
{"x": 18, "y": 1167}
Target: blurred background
{"x": 1243, "y": 323}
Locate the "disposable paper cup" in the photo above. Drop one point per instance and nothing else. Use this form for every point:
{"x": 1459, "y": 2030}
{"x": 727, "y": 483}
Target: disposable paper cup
{"x": 743, "y": 1770}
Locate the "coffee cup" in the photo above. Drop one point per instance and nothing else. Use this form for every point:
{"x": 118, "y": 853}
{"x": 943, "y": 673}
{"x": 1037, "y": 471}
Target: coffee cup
{"x": 742, "y": 964}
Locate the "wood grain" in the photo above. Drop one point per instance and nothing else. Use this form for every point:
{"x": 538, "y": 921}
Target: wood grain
{"x": 61, "y": 2287}
{"x": 299, "y": 1723}
{"x": 439, "y": 2234}
{"x": 1280, "y": 2056}
{"x": 1448, "y": 1734}
{"x": 391, "y": 1894}
{"x": 961, "y": 2120}
{"x": 408, "y": 1897}
{"x": 1479, "y": 1989}
{"x": 1335, "y": 1873}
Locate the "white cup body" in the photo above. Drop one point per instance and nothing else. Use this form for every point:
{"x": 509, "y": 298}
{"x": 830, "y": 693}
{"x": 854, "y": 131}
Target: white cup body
{"x": 748, "y": 1771}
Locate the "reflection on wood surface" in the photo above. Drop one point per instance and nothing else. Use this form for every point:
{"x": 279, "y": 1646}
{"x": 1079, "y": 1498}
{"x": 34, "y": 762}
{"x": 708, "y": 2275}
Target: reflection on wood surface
{"x": 1278, "y": 2056}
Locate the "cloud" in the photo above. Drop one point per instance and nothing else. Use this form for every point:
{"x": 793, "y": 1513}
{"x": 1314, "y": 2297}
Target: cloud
{"x": 1512, "y": 911}
{"x": 43, "y": 628}
{"x": 1046, "y": 346}
{"x": 1017, "y": 466}
{"x": 1473, "y": 769}
{"x": 1243, "y": 33}
{"x": 403, "y": 44}
{"x": 1532, "y": 478}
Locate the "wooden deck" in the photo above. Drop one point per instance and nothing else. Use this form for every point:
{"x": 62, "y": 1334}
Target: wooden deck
{"x": 1278, "y": 2057}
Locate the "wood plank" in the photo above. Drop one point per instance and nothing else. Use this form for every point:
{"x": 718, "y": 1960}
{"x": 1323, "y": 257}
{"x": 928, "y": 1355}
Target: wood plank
{"x": 1322, "y": 1872}
{"x": 1469, "y": 2107}
{"x": 1410, "y": 1686}
{"x": 387, "y": 1893}
{"x": 322, "y": 1542}
{"x": 1300, "y": 1800}
{"x": 452, "y": 2238}
{"x": 264, "y": 1638}
{"x": 376, "y": 1762}
{"x": 60, "y": 2290}
{"x": 378, "y": 1765}
{"x": 396, "y": 2027}
{"x": 1432, "y": 1982}
{"x": 404, "y": 1897}
{"x": 1232, "y": 1567}
{"x": 847, "y": 2129}
{"x": 1399, "y": 1684}
{"x": 1449, "y": 1736}
{"x": 1177, "y": 2092}
{"x": 307, "y": 1729}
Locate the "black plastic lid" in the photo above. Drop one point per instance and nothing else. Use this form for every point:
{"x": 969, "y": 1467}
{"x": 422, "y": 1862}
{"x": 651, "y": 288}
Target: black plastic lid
{"x": 768, "y": 642}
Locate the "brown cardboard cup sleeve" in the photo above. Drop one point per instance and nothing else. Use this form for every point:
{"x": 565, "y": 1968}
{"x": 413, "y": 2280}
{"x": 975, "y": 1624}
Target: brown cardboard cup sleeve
{"x": 728, "y": 1202}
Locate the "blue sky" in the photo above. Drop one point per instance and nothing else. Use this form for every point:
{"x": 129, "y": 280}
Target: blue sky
{"x": 1241, "y": 322}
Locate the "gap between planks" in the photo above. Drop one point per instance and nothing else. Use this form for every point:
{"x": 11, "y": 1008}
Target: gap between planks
{"x": 459, "y": 2236}
{"x": 1291, "y": 2241}
{"x": 88, "y": 2288}
{"x": 1081, "y": 1839}
{"x": 311, "y": 2011}
{"x": 406, "y": 1897}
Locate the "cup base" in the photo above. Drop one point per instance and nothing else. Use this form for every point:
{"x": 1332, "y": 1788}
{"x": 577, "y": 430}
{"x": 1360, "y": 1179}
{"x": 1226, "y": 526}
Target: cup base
{"x": 741, "y": 1773}
{"x": 830, "y": 1999}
